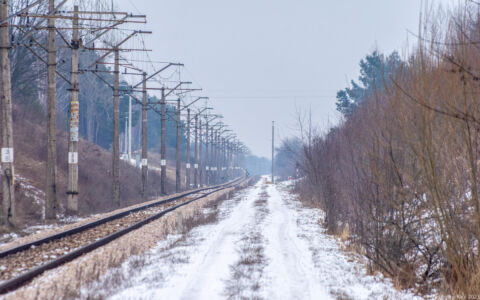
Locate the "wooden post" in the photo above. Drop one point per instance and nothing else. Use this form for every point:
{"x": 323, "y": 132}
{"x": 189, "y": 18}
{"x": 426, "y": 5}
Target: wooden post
{"x": 187, "y": 165}
{"x": 178, "y": 183}
{"x": 8, "y": 174}
{"x": 74, "y": 122}
{"x": 116, "y": 125}
{"x": 51, "y": 176}
{"x": 163, "y": 157}
{"x": 144, "y": 139}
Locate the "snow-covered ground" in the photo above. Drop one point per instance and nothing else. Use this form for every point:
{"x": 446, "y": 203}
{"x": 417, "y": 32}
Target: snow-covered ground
{"x": 265, "y": 245}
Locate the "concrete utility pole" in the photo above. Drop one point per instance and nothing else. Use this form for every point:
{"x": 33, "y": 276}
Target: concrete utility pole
{"x": 8, "y": 179}
{"x": 229, "y": 155}
{"x": 116, "y": 124}
{"x": 51, "y": 176}
{"x": 144, "y": 139}
{"x": 178, "y": 166}
{"x": 207, "y": 167}
{"x": 200, "y": 158}
{"x": 195, "y": 173}
{"x": 223, "y": 157}
{"x": 72, "y": 189}
{"x": 217, "y": 155}
{"x": 273, "y": 151}
{"x": 163, "y": 157}
{"x": 214, "y": 156}
{"x": 187, "y": 160}
{"x": 125, "y": 137}
{"x": 227, "y": 159}
{"x": 210, "y": 158}
{"x": 129, "y": 146}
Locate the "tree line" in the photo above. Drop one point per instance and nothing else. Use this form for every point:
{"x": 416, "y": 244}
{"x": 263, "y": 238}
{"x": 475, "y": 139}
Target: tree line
{"x": 400, "y": 174}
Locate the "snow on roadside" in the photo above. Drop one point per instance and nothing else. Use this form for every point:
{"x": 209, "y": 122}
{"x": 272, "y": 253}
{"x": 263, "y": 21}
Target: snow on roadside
{"x": 340, "y": 275}
{"x": 265, "y": 245}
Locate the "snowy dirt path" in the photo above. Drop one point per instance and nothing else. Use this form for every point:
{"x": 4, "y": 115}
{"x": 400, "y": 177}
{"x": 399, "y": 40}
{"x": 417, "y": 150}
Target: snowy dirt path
{"x": 265, "y": 245}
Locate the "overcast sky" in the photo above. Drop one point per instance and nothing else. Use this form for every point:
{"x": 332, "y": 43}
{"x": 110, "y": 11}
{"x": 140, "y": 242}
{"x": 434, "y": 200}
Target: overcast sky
{"x": 263, "y": 60}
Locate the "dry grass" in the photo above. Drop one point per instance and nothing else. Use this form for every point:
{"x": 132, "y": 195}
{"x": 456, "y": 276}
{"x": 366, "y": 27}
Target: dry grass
{"x": 247, "y": 272}
{"x": 345, "y": 233}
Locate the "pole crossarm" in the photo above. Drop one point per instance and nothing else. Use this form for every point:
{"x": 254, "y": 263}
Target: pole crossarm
{"x": 175, "y": 88}
{"x": 158, "y": 72}
{"x": 214, "y": 117}
{"x": 28, "y": 34}
{"x": 18, "y": 13}
{"x": 188, "y": 105}
{"x": 71, "y": 18}
{"x": 106, "y": 30}
{"x": 116, "y": 47}
{"x": 201, "y": 111}
{"x": 166, "y": 89}
{"x": 184, "y": 91}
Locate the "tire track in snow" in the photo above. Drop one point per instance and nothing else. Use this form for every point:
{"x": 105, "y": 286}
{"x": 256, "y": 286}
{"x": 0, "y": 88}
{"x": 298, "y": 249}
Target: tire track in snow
{"x": 247, "y": 273}
{"x": 291, "y": 269}
{"x": 206, "y": 281}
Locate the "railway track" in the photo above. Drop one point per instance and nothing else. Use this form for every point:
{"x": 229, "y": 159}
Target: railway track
{"x": 20, "y": 264}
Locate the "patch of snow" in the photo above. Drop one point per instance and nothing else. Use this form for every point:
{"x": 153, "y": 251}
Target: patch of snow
{"x": 30, "y": 191}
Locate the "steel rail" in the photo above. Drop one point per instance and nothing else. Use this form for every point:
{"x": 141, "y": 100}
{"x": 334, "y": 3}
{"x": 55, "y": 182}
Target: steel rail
{"x": 102, "y": 221}
{"x": 18, "y": 281}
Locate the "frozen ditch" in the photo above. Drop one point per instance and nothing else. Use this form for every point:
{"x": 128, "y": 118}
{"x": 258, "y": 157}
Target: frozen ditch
{"x": 264, "y": 245}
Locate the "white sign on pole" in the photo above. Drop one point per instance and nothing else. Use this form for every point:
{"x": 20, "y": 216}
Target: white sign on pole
{"x": 73, "y": 157}
{"x": 163, "y": 162}
{"x": 74, "y": 134}
{"x": 188, "y": 166}
{"x": 144, "y": 162}
{"x": 196, "y": 166}
{"x": 7, "y": 155}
